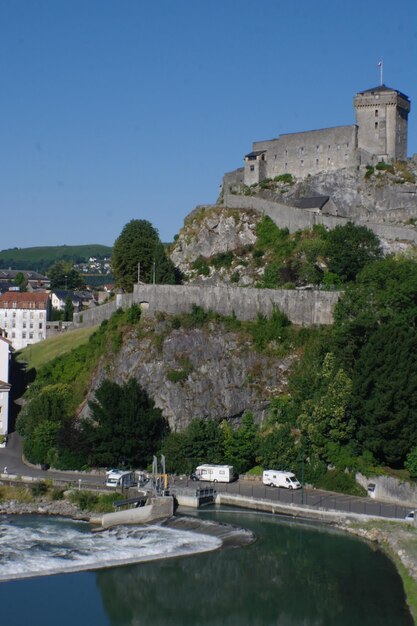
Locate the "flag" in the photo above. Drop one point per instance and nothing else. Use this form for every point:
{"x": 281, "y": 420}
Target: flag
{"x": 379, "y": 64}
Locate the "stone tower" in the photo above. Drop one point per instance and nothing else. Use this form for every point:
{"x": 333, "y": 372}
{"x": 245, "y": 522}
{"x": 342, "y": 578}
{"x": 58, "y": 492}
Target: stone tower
{"x": 382, "y": 121}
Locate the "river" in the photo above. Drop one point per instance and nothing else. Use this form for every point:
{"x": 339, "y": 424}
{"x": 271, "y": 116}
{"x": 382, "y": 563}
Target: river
{"x": 295, "y": 574}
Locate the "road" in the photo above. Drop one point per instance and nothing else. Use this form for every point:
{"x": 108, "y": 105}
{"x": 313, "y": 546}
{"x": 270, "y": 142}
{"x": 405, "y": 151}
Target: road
{"x": 11, "y": 457}
{"x": 316, "y": 498}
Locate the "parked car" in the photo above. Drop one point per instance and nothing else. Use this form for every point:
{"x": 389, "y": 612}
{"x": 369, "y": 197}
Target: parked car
{"x": 410, "y": 516}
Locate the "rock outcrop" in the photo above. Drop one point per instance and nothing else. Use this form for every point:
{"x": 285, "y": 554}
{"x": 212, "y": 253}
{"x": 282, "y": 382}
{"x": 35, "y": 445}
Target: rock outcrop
{"x": 206, "y": 372}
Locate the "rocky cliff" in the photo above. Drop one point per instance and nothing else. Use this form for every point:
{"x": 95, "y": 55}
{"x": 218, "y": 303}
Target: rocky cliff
{"x": 207, "y": 372}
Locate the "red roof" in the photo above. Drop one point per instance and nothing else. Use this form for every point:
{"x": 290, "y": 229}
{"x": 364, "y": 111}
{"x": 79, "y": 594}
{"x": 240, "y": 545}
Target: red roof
{"x": 23, "y": 300}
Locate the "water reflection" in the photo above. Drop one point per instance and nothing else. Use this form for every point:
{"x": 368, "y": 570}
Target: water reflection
{"x": 293, "y": 575}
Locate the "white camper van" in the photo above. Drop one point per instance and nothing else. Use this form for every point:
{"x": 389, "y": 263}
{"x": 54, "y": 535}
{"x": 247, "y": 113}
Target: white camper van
{"x": 276, "y": 478}
{"x": 119, "y": 478}
{"x": 215, "y": 473}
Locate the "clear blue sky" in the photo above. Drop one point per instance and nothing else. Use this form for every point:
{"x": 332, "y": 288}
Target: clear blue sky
{"x": 120, "y": 109}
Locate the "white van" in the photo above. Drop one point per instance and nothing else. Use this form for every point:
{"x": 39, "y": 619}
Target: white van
{"x": 276, "y": 478}
{"x": 119, "y": 478}
{"x": 215, "y": 473}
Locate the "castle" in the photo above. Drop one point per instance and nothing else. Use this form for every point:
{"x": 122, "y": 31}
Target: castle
{"x": 379, "y": 134}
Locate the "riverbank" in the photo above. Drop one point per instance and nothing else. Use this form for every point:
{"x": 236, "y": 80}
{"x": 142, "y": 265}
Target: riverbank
{"x": 399, "y": 542}
{"x": 396, "y": 539}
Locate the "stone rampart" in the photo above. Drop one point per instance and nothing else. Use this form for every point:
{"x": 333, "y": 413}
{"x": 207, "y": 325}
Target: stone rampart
{"x": 302, "y": 307}
{"x": 94, "y": 317}
{"x": 299, "y": 219}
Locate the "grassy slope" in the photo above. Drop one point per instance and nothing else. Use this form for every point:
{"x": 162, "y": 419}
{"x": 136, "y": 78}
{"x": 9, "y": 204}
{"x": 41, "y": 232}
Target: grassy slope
{"x": 41, "y": 353}
{"x": 31, "y": 258}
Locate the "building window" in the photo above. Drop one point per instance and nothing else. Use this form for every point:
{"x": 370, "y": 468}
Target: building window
{"x": 275, "y": 157}
{"x": 24, "y": 313}
{"x": 317, "y": 161}
{"x": 13, "y": 335}
{"x": 252, "y": 168}
{"x": 31, "y": 315}
{"x": 14, "y": 313}
{"x": 302, "y": 149}
{"x": 317, "y": 148}
{"x": 376, "y": 112}
{"x": 328, "y": 161}
{"x": 24, "y": 324}
{"x": 286, "y": 165}
{"x": 376, "y": 125}
{"x": 302, "y": 162}
{"x": 40, "y": 325}
{"x": 23, "y": 335}
{"x": 30, "y": 335}
{"x": 41, "y": 315}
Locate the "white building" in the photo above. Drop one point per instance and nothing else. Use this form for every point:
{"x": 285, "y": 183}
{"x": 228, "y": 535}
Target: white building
{"x": 4, "y": 385}
{"x": 23, "y": 317}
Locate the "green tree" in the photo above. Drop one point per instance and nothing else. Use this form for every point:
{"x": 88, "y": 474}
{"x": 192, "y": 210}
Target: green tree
{"x": 139, "y": 243}
{"x": 384, "y": 399}
{"x": 325, "y": 418}
{"x": 241, "y": 444}
{"x": 385, "y": 291}
{"x": 411, "y": 462}
{"x": 63, "y": 276}
{"x": 278, "y": 448}
{"x": 349, "y": 248}
{"x": 68, "y": 310}
{"x": 125, "y": 427}
{"x": 52, "y": 403}
{"x": 20, "y": 281}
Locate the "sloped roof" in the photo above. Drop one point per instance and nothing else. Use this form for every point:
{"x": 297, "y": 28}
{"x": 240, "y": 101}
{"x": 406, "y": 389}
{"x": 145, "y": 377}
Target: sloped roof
{"x": 254, "y": 154}
{"x": 383, "y": 88}
{"x": 24, "y": 300}
{"x": 314, "y": 202}
{"x": 29, "y": 274}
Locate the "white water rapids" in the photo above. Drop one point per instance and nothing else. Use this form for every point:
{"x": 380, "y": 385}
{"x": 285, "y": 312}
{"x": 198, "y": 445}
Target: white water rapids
{"x": 37, "y": 546}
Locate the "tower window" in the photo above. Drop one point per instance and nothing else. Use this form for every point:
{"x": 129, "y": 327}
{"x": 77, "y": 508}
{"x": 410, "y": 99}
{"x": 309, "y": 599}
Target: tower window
{"x": 376, "y": 125}
{"x": 317, "y": 161}
{"x": 376, "y": 112}
{"x": 252, "y": 168}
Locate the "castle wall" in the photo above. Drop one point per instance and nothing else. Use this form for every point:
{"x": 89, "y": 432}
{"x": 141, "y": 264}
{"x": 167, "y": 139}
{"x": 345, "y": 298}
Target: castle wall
{"x": 302, "y": 307}
{"x": 299, "y": 219}
{"x": 306, "y": 153}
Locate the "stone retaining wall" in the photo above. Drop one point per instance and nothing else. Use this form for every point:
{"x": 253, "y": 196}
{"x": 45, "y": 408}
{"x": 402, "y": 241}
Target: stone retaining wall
{"x": 299, "y": 219}
{"x": 390, "y": 489}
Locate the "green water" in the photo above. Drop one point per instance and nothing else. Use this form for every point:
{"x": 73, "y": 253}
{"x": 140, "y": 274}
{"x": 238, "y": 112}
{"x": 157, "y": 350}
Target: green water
{"x": 294, "y": 575}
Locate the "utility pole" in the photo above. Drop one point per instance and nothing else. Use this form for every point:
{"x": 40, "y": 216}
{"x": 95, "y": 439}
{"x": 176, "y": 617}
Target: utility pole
{"x": 139, "y": 272}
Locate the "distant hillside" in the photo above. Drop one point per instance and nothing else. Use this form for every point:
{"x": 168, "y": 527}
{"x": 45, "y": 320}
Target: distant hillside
{"x": 41, "y": 258}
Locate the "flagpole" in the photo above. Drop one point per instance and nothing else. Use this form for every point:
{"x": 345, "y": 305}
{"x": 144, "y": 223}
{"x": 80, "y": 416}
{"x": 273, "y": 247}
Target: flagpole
{"x": 381, "y": 69}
